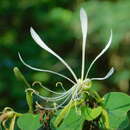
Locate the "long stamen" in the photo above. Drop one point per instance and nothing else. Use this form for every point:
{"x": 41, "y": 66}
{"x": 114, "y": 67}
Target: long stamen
{"x": 111, "y": 71}
{"x": 53, "y": 99}
{"x": 63, "y": 95}
{"x": 38, "y": 40}
{"x": 42, "y": 70}
{"x": 100, "y": 54}
{"x": 84, "y": 27}
{"x": 37, "y": 82}
{"x": 60, "y": 105}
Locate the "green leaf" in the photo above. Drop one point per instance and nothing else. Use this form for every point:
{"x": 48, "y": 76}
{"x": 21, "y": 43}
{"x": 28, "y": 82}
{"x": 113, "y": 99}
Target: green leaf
{"x": 91, "y": 114}
{"x": 72, "y": 121}
{"x": 128, "y": 127}
{"x": 29, "y": 122}
{"x": 117, "y": 105}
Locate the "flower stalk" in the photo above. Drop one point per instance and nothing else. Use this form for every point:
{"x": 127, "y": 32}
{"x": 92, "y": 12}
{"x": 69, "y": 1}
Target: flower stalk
{"x": 29, "y": 97}
{"x": 66, "y": 109}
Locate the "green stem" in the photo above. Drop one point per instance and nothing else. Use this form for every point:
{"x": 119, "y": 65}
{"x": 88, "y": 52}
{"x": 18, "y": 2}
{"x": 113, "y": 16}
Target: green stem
{"x": 97, "y": 97}
{"x": 105, "y": 119}
{"x": 18, "y": 114}
{"x": 12, "y": 123}
{"x": 64, "y": 112}
{"x": 29, "y": 97}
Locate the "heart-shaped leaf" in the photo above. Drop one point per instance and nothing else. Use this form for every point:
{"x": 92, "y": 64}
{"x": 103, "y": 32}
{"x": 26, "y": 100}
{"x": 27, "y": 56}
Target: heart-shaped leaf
{"x": 29, "y": 122}
{"x": 91, "y": 114}
{"x": 117, "y": 105}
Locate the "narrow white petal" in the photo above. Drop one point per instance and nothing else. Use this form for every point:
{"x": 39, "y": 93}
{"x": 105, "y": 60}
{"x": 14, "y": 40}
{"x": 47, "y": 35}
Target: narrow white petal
{"x": 111, "y": 71}
{"x": 42, "y": 70}
{"x": 100, "y": 54}
{"x": 38, "y": 40}
{"x": 84, "y": 22}
{"x": 84, "y": 27}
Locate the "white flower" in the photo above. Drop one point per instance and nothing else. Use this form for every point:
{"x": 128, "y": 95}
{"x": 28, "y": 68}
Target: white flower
{"x": 75, "y": 92}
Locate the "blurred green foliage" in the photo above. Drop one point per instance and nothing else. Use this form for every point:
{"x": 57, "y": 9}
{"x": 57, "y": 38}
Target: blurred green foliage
{"x": 57, "y": 22}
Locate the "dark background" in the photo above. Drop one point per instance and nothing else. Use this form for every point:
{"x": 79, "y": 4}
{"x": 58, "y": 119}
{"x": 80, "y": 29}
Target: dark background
{"x": 57, "y": 22}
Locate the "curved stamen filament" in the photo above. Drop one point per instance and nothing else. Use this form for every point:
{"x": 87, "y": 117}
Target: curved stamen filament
{"x": 58, "y": 106}
{"x": 53, "y": 98}
{"x": 42, "y": 70}
{"x": 62, "y": 96}
{"x": 61, "y": 85}
{"x": 37, "y": 82}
